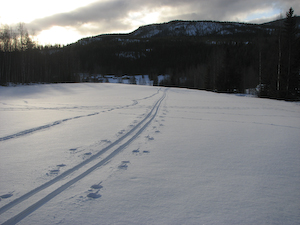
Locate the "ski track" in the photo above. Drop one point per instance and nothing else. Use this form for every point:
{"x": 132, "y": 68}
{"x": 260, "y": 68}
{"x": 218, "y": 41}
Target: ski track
{"x": 140, "y": 127}
{"x": 32, "y": 130}
{"x": 58, "y": 122}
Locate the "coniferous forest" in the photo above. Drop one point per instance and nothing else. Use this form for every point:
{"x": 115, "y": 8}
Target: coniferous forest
{"x": 266, "y": 58}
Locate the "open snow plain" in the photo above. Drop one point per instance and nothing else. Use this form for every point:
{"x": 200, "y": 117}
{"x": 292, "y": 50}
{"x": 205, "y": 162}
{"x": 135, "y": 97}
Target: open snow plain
{"x": 127, "y": 154}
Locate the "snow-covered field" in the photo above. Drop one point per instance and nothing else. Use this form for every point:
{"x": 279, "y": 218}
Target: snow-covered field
{"x": 127, "y": 154}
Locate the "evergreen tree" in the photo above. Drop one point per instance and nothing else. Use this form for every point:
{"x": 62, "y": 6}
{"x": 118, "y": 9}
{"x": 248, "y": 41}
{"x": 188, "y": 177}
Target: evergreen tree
{"x": 291, "y": 66}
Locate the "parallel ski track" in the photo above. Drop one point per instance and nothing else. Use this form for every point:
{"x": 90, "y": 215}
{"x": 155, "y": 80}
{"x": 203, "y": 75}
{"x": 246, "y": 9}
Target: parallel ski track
{"x": 58, "y": 122}
{"x": 142, "y": 125}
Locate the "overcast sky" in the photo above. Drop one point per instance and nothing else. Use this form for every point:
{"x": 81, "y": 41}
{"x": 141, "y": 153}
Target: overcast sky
{"x": 66, "y": 21}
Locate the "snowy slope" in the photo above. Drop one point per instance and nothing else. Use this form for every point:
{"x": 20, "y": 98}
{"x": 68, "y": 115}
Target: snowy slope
{"x": 179, "y": 28}
{"x": 126, "y": 154}
{"x": 196, "y": 28}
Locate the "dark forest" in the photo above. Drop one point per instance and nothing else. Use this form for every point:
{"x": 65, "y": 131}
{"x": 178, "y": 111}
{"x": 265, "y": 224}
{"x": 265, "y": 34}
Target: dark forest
{"x": 265, "y": 58}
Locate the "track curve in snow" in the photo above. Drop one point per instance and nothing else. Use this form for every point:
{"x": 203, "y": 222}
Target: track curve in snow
{"x": 114, "y": 149}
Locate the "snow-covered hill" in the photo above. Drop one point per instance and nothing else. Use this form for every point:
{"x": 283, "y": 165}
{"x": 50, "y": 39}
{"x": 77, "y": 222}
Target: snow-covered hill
{"x": 180, "y": 28}
{"x": 126, "y": 154}
{"x": 194, "y": 28}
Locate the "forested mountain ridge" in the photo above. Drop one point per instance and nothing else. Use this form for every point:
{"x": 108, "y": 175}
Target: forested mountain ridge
{"x": 210, "y": 55}
{"x": 194, "y": 28}
{"x": 213, "y": 29}
{"x": 219, "y": 56}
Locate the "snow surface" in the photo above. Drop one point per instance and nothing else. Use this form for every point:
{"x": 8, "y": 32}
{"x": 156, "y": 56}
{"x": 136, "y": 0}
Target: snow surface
{"x": 126, "y": 154}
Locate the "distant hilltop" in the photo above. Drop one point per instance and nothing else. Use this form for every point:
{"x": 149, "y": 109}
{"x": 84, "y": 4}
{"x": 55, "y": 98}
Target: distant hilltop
{"x": 180, "y": 28}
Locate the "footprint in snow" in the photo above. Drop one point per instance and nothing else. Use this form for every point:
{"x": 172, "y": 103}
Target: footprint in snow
{"x": 97, "y": 186}
{"x": 150, "y": 138}
{"x": 121, "y": 132}
{"x": 124, "y": 165}
{"x": 61, "y": 165}
{"x": 94, "y": 195}
{"x": 53, "y": 171}
{"x": 136, "y": 151}
{"x": 6, "y": 196}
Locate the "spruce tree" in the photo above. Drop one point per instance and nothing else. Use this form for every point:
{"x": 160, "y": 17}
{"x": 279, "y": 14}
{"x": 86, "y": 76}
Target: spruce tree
{"x": 292, "y": 68}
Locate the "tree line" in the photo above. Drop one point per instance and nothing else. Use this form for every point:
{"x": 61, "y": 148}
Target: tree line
{"x": 269, "y": 62}
{"x": 266, "y": 60}
{"x": 23, "y": 61}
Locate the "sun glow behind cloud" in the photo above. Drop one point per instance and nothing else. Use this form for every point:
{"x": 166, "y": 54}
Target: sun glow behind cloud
{"x": 66, "y": 21}
{"x": 142, "y": 18}
{"x": 58, "y": 35}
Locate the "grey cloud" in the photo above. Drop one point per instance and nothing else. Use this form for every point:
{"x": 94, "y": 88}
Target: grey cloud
{"x": 107, "y": 16}
{"x": 100, "y": 11}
